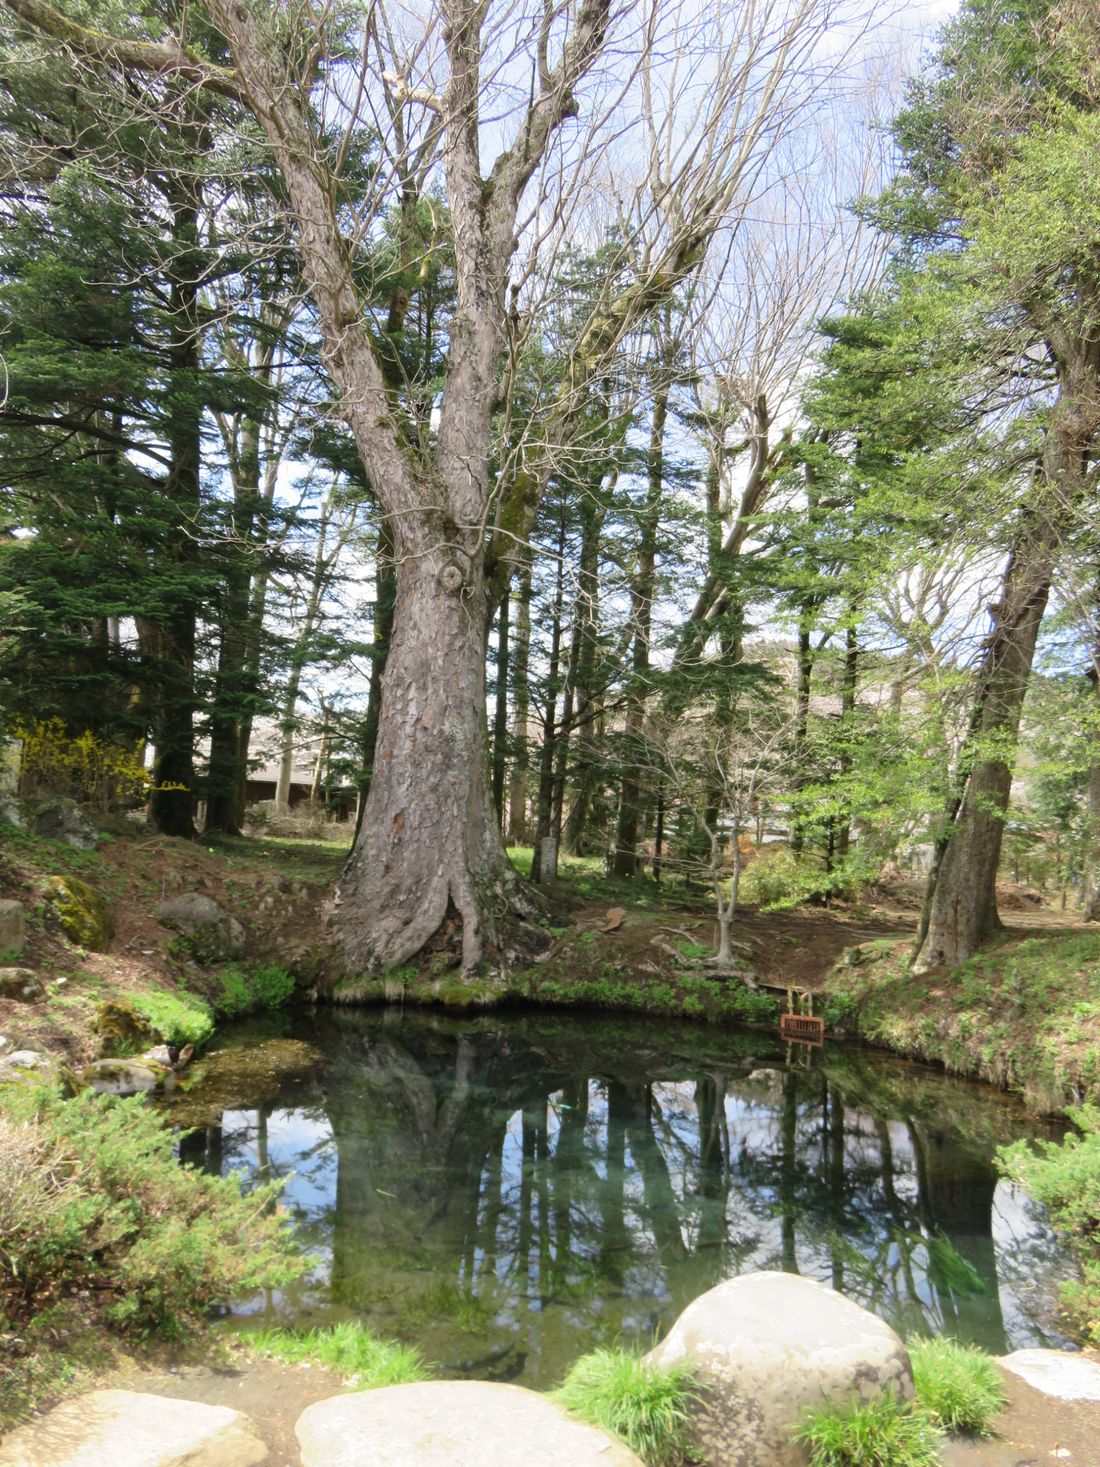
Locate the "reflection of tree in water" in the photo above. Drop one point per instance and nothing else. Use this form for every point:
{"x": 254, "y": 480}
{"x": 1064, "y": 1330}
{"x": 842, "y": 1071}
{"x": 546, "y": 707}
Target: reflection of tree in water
{"x": 512, "y": 1192}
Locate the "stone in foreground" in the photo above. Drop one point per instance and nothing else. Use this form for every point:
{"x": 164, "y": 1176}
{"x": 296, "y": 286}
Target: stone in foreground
{"x": 767, "y": 1348}
{"x": 451, "y": 1423}
{"x": 1056, "y": 1373}
{"x": 133, "y": 1429}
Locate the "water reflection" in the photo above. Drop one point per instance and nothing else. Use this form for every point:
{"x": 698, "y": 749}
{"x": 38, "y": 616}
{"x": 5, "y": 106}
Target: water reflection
{"x": 508, "y": 1192}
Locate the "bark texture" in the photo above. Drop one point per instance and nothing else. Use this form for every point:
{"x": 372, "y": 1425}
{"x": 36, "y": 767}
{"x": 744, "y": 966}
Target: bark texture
{"x": 962, "y": 911}
{"x": 429, "y": 845}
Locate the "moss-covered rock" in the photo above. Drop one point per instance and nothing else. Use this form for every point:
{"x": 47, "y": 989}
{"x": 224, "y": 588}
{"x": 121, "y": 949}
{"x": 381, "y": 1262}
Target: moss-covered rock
{"x": 127, "y": 1077}
{"x": 122, "y": 1029}
{"x": 84, "y": 915}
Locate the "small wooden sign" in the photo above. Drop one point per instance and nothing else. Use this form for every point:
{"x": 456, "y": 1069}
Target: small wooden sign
{"x": 802, "y": 1027}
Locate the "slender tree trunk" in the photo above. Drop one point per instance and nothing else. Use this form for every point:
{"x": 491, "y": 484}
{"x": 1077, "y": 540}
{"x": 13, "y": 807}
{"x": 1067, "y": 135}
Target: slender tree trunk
{"x": 521, "y": 709}
{"x": 227, "y": 771}
{"x": 550, "y": 714}
{"x": 847, "y": 721}
{"x": 1090, "y": 897}
{"x": 802, "y": 723}
{"x": 168, "y": 641}
{"x": 632, "y": 801}
{"x": 500, "y": 709}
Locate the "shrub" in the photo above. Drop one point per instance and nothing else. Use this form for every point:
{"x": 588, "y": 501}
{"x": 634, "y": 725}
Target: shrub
{"x": 348, "y": 1347}
{"x": 884, "y": 1433}
{"x": 242, "y": 990}
{"x": 1065, "y": 1177}
{"x": 957, "y": 1385}
{"x": 644, "y": 1406}
{"x": 96, "y": 771}
{"x": 94, "y": 1203}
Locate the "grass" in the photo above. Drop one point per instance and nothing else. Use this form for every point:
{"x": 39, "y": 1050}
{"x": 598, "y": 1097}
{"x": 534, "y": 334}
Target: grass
{"x": 883, "y": 1433}
{"x": 1065, "y": 1177}
{"x": 1023, "y": 1014}
{"x": 957, "y": 1385}
{"x": 348, "y": 1347}
{"x": 645, "y": 1407}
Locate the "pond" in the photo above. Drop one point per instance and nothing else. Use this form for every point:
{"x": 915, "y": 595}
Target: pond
{"x": 509, "y": 1191}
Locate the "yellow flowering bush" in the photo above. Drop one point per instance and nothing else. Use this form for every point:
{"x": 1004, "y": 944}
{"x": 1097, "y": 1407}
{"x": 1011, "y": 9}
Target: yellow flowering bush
{"x": 96, "y": 771}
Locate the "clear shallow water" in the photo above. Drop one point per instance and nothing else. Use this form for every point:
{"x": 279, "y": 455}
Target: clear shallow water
{"x": 510, "y": 1191}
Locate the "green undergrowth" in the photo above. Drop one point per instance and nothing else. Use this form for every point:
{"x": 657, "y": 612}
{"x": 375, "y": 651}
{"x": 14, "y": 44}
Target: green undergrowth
{"x": 103, "y": 1232}
{"x": 958, "y": 1389}
{"x": 644, "y": 1406}
{"x": 881, "y": 1433}
{"x": 1024, "y": 1014}
{"x": 1065, "y": 1177}
{"x": 959, "y": 1386}
{"x": 181, "y": 1017}
{"x": 684, "y": 995}
{"x": 238, "y": 989}
{"x": 348, "y": 1347}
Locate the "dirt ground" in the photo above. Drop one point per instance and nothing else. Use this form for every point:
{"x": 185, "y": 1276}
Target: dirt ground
{"x": 1034, "y": 1431}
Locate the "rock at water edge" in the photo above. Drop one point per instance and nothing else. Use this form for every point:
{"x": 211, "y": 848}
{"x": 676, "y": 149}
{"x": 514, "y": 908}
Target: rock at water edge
{"x": 766, "y": 1349}
{"x": 133, "y": 1429}
{"x": 1056, "y": 1373}
{"x": 452, "y": 1423}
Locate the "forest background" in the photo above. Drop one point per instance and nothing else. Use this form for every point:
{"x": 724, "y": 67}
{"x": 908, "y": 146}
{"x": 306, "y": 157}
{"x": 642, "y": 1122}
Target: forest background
{"x": 665, "y": 433}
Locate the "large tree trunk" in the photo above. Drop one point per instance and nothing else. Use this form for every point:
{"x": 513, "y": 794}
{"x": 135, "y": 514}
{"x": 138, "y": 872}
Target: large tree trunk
{"x": 429, "y": 844}
{"x": 962, "y": 910}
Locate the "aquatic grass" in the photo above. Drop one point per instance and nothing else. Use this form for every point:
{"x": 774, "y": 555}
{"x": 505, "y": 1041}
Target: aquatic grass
{"x": 883, "y": 1433}
{"x": 957, "y": 1385}
{"x": 645, "y": 1406}
{"x": 348, "y": 1347}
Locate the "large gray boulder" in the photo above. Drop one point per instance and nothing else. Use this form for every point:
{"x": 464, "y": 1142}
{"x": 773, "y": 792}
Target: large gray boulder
{"x": 13, "y": 928}
{"x": 767, "y": 1348}
{"x": 451, "y": 1423}
{"x": 132, "y": 1429}
{"x": 213, "y": 936}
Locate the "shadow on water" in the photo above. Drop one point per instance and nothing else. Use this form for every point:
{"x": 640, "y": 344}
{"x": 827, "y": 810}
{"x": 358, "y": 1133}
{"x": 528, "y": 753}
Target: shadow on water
{"x": 510, "y": 1191}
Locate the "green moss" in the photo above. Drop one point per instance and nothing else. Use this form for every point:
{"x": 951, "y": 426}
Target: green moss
{"x": 84, "y": 915}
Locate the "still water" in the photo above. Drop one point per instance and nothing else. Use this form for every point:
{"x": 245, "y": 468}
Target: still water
{"x": 509, "y": 1191}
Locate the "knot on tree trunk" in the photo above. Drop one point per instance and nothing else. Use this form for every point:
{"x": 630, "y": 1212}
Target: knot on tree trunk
{"x": 451, "y": 578}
